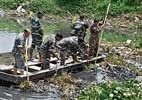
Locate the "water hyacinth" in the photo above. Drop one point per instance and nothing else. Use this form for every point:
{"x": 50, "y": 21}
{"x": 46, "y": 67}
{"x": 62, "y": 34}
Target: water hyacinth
{"x": 111, "y": 95}
{"x": 129, "y": 90}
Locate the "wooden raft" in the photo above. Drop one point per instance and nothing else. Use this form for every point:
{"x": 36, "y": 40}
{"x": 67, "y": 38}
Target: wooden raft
{"x": 35, "y": 71}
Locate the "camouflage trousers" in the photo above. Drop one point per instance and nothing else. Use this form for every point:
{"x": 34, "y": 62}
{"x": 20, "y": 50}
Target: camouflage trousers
{"x": 19, "y": 61}
{"x": 93, "y": 44}
{"x": 46, "y": 56}
{"x": 65, "y": 53}
{"x": 81, "y": 36}
{"x": 36, "y": 41}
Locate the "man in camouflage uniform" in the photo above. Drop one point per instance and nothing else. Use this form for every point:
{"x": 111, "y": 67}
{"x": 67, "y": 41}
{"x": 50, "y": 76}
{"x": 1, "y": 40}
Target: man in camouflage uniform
{"x": 37, "y": 34}
{"x": 19, "y": 50}
{"x": 79, "y": 28}
{"x": 48, "y": 48}
{"x": 69, "y": 46}
{"x": 95, "y": 29}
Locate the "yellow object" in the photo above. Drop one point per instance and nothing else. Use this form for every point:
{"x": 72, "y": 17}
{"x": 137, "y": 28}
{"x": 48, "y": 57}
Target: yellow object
{"x": 26, "y": 56}
{"x": 74, "y": 19}
{"x": 30, "y": 14}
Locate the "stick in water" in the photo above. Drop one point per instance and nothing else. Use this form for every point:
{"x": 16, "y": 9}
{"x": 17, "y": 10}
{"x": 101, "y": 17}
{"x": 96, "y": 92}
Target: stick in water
{"x": 102, "y": 30}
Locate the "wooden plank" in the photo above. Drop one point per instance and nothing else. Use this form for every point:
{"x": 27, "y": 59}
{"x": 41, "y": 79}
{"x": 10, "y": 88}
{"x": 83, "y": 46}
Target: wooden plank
{"x": 18, "y": 72}
{"x": 35, "y": 62}
{"x": 51, "y": 71}
{"x": 52, "y": 65}
{"x": 69, "y": 60}
{"x": 6, "y": 67}
{"x": 31, "y": 63}
{"x": 34, "y": 68}
{"x": 53, "y": 59}
{"x": 9, "y": 77}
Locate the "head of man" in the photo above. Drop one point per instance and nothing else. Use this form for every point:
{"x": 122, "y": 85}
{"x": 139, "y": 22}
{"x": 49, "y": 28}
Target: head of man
{"x": 82, "y": 17}
{"x": 58, "y": 37}
{"x": 39, "y": 15}
{"x": 27, "y": 32}
{"x": 96, "y": 21}
{"x": 86, "y": 25}
{"x": 80, "y": 41}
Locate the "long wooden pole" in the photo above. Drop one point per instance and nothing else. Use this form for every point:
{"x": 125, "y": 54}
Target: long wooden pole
{"x": 102, "y": 30}
{"x": 26, "y": 60}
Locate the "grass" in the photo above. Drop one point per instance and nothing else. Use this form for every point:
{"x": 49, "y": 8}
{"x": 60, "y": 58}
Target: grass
{"x": 65, "y": 27}
{"x": 9, "y": 25}
{"x": 114, "y": 37}
{"x": 93, "y": 8}
{"x": 122, "y": 38}
{"x": 48, "y": 27}
{"x": 51, "y": 28}
{"x": 115, "y": 60}
{"x": 129, "y": 90}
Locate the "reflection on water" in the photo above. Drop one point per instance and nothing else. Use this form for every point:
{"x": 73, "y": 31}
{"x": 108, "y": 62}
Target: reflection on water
{"x": 6, "y": 41}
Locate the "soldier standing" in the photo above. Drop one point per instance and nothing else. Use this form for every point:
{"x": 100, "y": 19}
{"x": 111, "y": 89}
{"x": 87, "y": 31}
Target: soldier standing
{"x": 19, "y": 51}
{"x": 37, "y": 34}
{"x": 95, "y": 29}
{"x": 79, "y": 28}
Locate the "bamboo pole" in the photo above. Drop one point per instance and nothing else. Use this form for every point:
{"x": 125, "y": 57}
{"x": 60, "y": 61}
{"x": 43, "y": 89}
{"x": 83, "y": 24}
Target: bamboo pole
{"x": 26, "y": 60}
{"x": 102, "y": 30}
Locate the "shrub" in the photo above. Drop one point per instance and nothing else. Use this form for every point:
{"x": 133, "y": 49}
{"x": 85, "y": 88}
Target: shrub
{"x": 60, "y": 7}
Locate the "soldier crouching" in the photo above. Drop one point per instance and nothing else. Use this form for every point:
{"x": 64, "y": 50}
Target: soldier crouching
{"x": 69, "y": 47}
{"x": 48, "y": 48}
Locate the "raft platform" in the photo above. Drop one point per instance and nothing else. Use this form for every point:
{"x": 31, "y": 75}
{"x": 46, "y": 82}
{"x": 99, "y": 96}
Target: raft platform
{"x": 35, "y": 72}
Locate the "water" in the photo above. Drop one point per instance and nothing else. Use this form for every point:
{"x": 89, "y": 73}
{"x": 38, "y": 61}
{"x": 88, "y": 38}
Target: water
{"x": 6, "y": 41}
{"x": 6, "y": 93}
{"x": 135, "y": 63}
{"x": 100, "y": 76}
{"x": 15, "y": 94}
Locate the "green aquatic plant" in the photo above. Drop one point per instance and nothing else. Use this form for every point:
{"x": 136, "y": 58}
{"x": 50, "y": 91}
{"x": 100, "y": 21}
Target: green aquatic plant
{"x": 24, "y": 85}
{"x": 129, "y": 90}
{"x": 115, "y": 60}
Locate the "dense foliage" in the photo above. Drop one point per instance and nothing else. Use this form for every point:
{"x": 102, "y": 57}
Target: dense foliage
{"x": 91, "y": 7}
{"x": 129, "y": 90}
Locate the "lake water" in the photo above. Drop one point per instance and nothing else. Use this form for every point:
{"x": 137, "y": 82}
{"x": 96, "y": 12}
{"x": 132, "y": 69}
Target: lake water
{"x": 6, "y": 41}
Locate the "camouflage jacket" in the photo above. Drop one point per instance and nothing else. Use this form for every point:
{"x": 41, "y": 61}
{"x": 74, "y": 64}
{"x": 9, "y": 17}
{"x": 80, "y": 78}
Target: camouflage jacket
{"x": 49, "y": 43}
{"x": 19, "y": 43}
{"x": 36, "y": 26}
{"x": 94, "y": 30}
{"x": 69, "y": 43}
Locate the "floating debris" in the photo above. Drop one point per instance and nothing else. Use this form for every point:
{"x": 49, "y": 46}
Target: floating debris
{"x": 119, "y": 73}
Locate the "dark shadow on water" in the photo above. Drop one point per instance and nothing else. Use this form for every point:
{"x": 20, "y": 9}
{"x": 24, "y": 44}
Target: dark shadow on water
{"x": 9, "y": 91}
